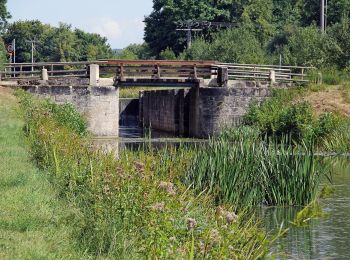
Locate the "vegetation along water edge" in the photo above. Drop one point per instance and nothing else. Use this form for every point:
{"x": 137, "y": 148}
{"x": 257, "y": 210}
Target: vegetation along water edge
{"x": 178, "y": 201}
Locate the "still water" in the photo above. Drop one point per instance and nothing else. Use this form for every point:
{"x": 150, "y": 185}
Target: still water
{"x": 325, "y": 238}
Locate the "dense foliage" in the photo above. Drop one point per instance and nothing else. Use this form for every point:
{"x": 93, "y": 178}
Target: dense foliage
{"x": 60, "y": 43}
{"x": 287, "y": 114}
{"x": 265, "y": 31}
{"x": 4, "y": 15}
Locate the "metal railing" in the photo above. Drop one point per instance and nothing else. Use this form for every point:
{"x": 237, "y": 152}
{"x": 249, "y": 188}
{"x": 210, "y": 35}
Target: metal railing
{"x": 18, "y": 71}
{"x": 295, "y": 74}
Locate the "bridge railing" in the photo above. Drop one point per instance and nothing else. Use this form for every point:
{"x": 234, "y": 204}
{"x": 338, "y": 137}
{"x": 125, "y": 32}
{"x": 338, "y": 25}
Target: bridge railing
{"x": 18, "y": 71}
{"x": 124, "y": 70}
{"x": 294, "y": 74}
{"x": 157, "y": 69}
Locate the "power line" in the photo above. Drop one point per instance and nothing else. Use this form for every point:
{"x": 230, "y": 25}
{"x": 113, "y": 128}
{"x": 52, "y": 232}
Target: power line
{"x": 193, "y": 26}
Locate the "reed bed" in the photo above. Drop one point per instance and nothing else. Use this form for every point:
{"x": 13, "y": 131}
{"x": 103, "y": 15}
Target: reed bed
{"x": 247, "y": 171}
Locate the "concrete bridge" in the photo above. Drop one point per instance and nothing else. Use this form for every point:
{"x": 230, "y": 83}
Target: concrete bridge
{"x": 202, "y": 97}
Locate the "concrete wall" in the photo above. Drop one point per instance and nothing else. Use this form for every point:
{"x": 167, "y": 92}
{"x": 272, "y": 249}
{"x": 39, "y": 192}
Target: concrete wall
{"x": 98, "y": 104}
{"x": 165, "y": 110}
{"x": 200, "y": 112}
{"x": 213, "y": 109}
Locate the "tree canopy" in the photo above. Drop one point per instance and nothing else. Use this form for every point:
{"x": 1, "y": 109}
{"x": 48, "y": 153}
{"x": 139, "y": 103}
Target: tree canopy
{"x": 263, "y": 30}
{"x": 60, "y": 43}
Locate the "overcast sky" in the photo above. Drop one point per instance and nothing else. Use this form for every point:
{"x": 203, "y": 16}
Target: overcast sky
{"x": 121, "y": 21}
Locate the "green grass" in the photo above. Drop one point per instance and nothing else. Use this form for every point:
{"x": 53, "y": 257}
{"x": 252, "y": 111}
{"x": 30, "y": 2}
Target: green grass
{"x": 34, "y": 222}
{"x": 138, "y": 206}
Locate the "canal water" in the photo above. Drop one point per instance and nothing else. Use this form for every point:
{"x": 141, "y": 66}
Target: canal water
{"x": 324, "y": 238}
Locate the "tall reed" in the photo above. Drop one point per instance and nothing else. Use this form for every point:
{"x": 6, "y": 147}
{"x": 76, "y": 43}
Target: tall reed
{"x": 246, "y": 171}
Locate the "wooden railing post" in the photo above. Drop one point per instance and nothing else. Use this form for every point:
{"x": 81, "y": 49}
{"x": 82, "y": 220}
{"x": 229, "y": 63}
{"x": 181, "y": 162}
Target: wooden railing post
{"x": 272, "y": 76}
{"x": 195, "y": 72}
{"x": 158, "y": 71}
{"x": 121, "y": 71}
{"x": 222, "y": 78}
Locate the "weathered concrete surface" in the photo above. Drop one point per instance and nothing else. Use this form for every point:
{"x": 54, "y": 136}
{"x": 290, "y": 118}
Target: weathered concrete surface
{"x": 98, "y": 104}
{"x": 165, "y": 110}
{"x": 201, "y": 112}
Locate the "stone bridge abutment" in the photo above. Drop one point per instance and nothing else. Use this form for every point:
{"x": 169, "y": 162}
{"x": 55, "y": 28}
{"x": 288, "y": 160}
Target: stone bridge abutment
{"x": 100, "y": 105}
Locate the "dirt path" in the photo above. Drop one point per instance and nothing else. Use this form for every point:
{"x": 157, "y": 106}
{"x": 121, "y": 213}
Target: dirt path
{"x": 333, "y": 99}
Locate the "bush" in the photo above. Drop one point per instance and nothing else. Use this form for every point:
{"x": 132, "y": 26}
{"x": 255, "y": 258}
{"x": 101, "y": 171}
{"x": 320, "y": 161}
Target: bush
{"x": 237, "y": 45}
{"x": 278, "y": 116}
{"x": 333, "y": 76}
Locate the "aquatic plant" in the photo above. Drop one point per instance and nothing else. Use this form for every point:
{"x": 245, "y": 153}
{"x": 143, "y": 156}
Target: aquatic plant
{"x": 246, "y": 172}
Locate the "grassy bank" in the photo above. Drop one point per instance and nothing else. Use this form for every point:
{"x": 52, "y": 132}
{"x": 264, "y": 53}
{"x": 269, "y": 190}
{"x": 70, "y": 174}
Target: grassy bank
{"x": 318, "y": 114}
{"x": 137, "y": 206}
{"x": 34, "y": 222}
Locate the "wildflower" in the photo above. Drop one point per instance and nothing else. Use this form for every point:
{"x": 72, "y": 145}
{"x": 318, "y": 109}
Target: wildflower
{"x": 172, "y": 239}
{"x": 140, "y": 167}
{"x": 214, "y": 235}
{"x": 159, "y": 207}
{"x": 220, "y": 211}
{"x": 168, "y": 187}
{"x": 120, "y": 172}
{"x": 231, "y": 217}
{"x": 191, "y": 223}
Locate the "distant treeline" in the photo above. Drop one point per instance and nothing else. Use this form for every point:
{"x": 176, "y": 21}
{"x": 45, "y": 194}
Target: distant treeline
{"x": 263, "y": 32}
{"x": 60, "y": 43}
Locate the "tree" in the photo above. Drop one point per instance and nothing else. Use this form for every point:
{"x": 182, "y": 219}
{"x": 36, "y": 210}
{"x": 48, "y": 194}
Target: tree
{"x": 236, "y": 45}
{"x": 4, "y": 15}
{"x": 161, "y": 24}
{"x": 309, "y": 47}
{"x": 56, "y": 43}
{"x": 340, "y": 32}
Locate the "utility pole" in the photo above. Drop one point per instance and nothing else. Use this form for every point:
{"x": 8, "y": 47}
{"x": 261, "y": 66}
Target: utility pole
{"x": 322, "y": 18}
{"x": 189, "y": 31}
{"x": 33, "y": 42}
{"x": 14, "y": 50}
{"x": 193, "y": 26}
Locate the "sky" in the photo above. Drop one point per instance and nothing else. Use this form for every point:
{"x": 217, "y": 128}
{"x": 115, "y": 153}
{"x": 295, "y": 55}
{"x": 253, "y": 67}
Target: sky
{"x": 121, "y": 21}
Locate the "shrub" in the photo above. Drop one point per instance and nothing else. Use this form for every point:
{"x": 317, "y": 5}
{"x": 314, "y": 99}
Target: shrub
{"x": 278, "y": 116}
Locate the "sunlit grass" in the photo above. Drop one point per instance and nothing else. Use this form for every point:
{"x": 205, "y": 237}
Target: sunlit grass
{"x": 34, "y": 222}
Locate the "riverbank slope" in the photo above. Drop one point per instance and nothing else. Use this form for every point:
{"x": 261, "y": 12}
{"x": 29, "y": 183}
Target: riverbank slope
{"x": 34, "y": 222}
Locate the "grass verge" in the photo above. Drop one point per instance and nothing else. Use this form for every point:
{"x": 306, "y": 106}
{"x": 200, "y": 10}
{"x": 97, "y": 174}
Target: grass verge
{"x": 34, "y": 222}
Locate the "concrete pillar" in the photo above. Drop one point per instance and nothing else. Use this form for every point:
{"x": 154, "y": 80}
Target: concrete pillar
{"x": 44, "y": 74}
{"x": 94, "y": 75}
{"x": 103, "y": 111}
{"x": 194, "y": 111}
{"x": 272, "y": 76}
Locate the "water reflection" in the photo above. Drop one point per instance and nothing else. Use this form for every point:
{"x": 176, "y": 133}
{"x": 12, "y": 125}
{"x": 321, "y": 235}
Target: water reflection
{"x": 326, "y": 238}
